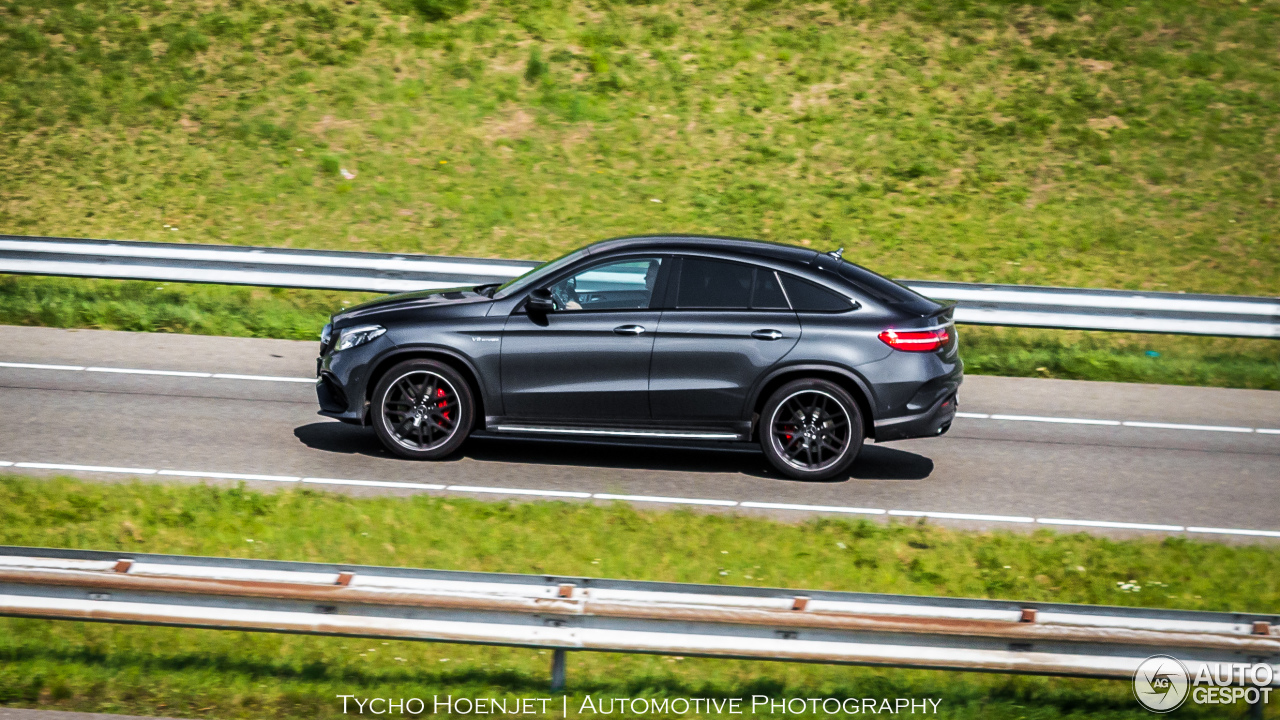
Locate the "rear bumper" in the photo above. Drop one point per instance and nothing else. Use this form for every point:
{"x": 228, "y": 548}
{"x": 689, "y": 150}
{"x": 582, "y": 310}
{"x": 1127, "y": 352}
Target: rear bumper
{"x": 931, "y": 423}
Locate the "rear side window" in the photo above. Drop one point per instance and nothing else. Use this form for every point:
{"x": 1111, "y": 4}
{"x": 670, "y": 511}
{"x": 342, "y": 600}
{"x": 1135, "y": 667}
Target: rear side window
{"x": 886, "y": 290}
{"x": 768, "y": 293}
{"x": 714, "y": 284}
{"x": 808, "y": 297}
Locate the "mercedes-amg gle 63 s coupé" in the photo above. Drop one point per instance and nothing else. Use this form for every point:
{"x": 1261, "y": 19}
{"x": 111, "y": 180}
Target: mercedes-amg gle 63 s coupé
{"x": 653, "y": 338}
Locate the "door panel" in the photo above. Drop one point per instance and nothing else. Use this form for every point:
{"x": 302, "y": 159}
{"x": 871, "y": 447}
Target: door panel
{"x": 574, "y": 366}
{"x": 706, "y": 361}
{"x": 589, "y": 359}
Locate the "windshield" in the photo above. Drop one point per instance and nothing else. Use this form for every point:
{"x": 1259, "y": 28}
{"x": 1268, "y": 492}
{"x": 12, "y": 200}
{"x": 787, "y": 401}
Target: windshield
{"x": 515, "y": 285}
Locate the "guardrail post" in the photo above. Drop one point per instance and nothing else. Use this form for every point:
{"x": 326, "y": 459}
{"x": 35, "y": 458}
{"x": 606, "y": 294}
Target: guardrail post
{"x": 557, "y": 670}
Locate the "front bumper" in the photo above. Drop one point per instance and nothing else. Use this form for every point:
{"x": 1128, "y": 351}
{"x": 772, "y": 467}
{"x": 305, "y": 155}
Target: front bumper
{"x": 931, "y": 423}
{"x": 341, "y": 379}
{"x": 334, "y": 402}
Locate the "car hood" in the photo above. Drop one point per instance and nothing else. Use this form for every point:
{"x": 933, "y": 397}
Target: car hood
{"x": 413, "y": 300}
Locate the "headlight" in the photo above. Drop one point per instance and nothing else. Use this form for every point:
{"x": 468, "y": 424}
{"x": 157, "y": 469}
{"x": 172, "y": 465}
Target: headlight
{"x": 326, "y": 333}
{"x": 352, "y": 337}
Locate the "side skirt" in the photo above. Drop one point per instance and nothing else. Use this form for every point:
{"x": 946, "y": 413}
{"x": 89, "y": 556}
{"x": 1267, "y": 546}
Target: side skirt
{"x": 649, "y": 433}
{"x": 617, "y": 432}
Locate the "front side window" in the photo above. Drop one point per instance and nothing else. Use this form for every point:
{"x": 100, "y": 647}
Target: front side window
{"x": 619, "y": 285}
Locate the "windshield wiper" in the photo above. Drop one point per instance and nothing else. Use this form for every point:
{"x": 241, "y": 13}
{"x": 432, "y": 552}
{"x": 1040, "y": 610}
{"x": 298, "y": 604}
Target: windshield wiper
{"x": 487, "y": 289}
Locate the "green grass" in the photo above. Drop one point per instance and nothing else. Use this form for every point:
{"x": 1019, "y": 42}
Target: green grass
{"x": 1074, "y": 142}
{"x": 200, "y": 673}
{"x": 170, "y": 307}
{"x": 299, "y": 315}
{"x": 1121, "y": 357}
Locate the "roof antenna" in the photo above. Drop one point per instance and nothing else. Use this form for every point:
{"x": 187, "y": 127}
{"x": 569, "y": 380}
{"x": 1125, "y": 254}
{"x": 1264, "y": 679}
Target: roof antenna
{"x": 836, "y": 253}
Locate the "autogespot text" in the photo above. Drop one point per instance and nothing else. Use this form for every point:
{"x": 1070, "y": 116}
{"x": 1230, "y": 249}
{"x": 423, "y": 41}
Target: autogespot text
{"x": 1228, "y": 683}
{"x": 563, "y": 706}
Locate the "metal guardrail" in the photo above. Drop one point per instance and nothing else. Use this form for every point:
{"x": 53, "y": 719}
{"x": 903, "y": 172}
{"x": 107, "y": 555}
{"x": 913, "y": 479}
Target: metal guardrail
{"x": 232, "y": 265}
{"x": 980, "y": 304}
{"x": 577, "y": 613}
{"x": 1116, "y": 310}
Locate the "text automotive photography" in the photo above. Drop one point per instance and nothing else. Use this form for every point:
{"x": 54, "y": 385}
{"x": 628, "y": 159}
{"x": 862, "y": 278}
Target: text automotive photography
{"x": 639, "y": 359}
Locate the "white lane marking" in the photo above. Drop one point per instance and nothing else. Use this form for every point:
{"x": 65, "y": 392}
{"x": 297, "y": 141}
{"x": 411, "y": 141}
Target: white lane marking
{"x": 86, "y": 468}
{"x": 649, "y": 498}
{"x": 1065, "y": 420}
{"x": 1176, "y": 426}
{"x": 229, "y": 476}
{"x": 1125, "y": 423}
{"x": 962, "y": 516}
{"x": 519, "y": 491}
{"x": 374, "y": 483}
{"x": 1234, "y": 531}
{"x": 138, "y": 371}
{"x": 670, "y": 500}
{"x": 38, "y": 366}
{"x": 1109, "y": 524}
{"x": 811, "y": 508}
{"x": 263, "y": 378}
{"x": 169, "y": 373}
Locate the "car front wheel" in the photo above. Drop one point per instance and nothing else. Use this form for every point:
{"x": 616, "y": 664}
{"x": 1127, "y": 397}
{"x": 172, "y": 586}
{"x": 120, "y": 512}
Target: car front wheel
{"x": 811, "y": 429}
{"x": 422, "y": 409}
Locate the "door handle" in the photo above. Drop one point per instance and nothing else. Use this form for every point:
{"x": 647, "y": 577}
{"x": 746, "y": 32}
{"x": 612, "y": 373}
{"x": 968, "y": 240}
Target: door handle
{"x": 629, "y": 329}
{"x": 767, "y": 334}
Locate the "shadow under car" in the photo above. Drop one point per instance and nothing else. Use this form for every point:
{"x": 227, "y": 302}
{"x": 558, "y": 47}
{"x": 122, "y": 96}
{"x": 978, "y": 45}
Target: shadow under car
{"x": 875, "y": 462}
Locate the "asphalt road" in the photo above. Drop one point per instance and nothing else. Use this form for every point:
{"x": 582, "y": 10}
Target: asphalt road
{"x": 1021, "y": 468}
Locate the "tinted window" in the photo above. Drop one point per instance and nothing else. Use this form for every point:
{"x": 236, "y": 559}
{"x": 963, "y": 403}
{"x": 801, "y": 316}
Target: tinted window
{"x": 808, "y": 297}
{"x": 768, "y": 293}
{"x": 714, "y": 284}
{"x": 619, "y": 285}
{"x": 886, "y": 290}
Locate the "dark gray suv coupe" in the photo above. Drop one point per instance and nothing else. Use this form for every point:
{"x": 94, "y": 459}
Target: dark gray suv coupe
{"x": 653, "y": 338}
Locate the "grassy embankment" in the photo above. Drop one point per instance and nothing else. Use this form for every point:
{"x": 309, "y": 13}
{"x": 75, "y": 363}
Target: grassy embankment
{"x": 1075, "y": 143}
{"x": 191, "y": 673}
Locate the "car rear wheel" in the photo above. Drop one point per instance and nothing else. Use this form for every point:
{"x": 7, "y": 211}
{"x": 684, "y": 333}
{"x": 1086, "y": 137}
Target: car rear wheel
{"x": 423, "y": 409}
{"x": 811, "y": 429}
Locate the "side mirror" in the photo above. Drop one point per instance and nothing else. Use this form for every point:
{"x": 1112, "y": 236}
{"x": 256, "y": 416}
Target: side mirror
{"x": 540, "y": 301}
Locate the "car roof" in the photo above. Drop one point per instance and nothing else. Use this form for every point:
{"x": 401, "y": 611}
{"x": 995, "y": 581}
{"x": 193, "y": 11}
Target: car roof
{"x": 759, "y": 248}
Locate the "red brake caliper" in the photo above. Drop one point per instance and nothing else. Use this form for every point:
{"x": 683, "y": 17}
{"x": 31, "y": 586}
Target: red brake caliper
{"x": 442, "y": 403}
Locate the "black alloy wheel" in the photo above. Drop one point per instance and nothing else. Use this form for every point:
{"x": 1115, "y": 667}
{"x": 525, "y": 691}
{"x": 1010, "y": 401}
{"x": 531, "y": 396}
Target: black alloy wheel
{"x": 423, "y": 409}
{"x": 811, "y": 429}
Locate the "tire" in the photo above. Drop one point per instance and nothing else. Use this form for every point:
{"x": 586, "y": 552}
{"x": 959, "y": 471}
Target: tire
{"x": 804, "y": 449}
{"x": 423, "y": 410}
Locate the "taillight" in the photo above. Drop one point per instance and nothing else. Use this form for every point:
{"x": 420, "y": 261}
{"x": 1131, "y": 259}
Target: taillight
{"x": 915, "y": 340}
